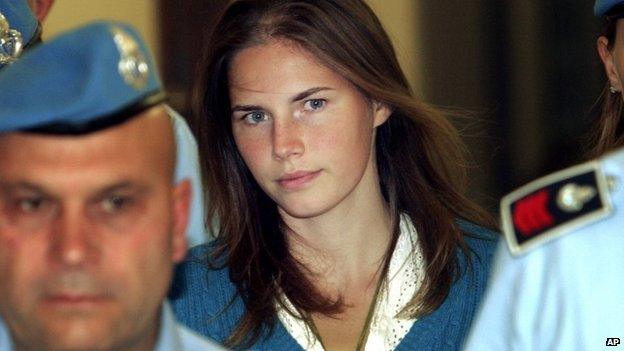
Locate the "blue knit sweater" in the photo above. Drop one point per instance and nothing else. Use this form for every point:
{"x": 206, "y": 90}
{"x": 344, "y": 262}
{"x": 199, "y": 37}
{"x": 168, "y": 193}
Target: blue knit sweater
{"x": 200, "y": 298}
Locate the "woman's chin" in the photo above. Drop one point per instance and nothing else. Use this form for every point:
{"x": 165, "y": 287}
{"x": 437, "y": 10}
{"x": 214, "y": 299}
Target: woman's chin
{"x": 304, "y": 208}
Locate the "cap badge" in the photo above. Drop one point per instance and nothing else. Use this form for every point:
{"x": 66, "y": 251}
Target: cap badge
{"x": 11, "y": 43}
{"x": 132, "y": 66}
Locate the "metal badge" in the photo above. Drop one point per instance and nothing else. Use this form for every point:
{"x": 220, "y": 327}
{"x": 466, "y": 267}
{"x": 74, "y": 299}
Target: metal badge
{"x": 132, "y": 65}
{"x": 572, "y": 197}
{"x": 11, "y": 43}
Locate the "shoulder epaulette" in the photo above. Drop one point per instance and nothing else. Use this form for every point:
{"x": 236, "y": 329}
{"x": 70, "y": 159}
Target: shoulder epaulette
{"x": 555, "y": 205}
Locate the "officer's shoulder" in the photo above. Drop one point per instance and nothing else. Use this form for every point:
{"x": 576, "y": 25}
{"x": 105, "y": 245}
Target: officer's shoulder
{"x": 557, "y": 204}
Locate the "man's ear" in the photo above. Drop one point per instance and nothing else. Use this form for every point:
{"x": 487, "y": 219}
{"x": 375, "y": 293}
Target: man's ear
{"x": 381, "y": 113}
{"x": 41, "y": 8}
{"x": 608, "y": 61}
{"x": 181, "y": 208}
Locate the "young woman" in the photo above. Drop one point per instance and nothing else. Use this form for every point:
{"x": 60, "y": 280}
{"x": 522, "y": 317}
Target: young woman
{"x": 609, "y": 131}
{"x": 343, "y": 223}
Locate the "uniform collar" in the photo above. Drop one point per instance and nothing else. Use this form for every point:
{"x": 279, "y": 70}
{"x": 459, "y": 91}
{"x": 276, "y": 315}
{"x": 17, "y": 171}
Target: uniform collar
{"x": 168, "y": 336}
{"x": 5, "y": 338}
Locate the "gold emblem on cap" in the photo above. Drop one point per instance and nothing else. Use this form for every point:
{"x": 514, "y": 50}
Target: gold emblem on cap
{"x": 132, "y": 65}
{"x": 572, "y": 197}
{"x": 11, "y": 43}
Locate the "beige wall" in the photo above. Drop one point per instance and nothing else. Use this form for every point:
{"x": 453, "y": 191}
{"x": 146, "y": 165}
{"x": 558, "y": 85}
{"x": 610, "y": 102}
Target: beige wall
{"x": 66, "y": 14}
{"x": 401, "y": 21}
{"x": 399, "y": 17}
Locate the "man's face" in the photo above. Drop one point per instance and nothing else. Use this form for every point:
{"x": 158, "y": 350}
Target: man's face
{"x": 90, "y": 228}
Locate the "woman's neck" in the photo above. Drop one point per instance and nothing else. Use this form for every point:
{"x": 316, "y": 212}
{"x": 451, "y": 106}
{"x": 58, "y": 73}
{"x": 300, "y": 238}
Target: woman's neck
{"x": 344, "y": 246}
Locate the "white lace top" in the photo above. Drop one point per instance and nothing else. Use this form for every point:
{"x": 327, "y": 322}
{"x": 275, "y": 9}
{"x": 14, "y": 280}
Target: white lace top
{"x": 405, "y": 275}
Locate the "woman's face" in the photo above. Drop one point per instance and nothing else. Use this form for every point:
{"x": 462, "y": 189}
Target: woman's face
{"x": 304, "y": 131}
{"x": 612, "y": 55}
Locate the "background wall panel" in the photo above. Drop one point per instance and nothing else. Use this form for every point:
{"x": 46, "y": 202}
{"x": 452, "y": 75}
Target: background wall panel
{"x": 143, "y": 14}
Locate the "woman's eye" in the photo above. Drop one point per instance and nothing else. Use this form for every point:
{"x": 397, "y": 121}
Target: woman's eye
{"x": 314, "y": 104}
{"x": 254, "y": 117}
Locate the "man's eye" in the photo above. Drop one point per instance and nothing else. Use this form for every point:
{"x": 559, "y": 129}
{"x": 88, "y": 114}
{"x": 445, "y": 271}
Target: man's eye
{"x": 254, "y": 117}
{"x": 114, "y": 204}
{"x": 314, "y": 104}
{"x": 30, "y": 205}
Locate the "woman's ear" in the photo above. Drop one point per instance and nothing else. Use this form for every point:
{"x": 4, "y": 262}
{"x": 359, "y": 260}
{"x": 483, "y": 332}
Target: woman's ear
{"x": 381, "y": 113}
{"x": 609, "y": 63}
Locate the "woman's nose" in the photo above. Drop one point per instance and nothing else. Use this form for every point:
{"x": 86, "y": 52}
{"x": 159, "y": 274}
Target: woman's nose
{"x": 287, "y": 139}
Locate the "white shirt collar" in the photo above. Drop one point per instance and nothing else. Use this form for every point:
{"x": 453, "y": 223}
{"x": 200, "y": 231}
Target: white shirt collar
{"x": 168, "y": 337}
{"x": 405, "y": 275}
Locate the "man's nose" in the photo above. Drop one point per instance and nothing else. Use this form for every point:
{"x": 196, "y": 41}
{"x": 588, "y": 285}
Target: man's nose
{"x": 72, "y": 242}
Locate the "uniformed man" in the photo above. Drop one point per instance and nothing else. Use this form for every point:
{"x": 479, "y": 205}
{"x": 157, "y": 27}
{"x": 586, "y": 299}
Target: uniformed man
{"x": 91, "y": 219}
{"x": 23, "y": 19}
{"x": 558, "y": 283}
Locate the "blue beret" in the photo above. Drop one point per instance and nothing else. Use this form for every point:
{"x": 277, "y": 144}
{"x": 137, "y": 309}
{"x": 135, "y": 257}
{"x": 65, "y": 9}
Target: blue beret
{"x": 601, "y": 7}
{"x": 84, "y": 80}
{"x": 18, "y": 28}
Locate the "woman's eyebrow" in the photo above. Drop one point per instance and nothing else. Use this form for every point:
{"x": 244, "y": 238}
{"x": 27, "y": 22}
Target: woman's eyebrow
{"x": 246, "y": 108}
{"x": 307, "y": 93}
{"x": 300, "y": 96}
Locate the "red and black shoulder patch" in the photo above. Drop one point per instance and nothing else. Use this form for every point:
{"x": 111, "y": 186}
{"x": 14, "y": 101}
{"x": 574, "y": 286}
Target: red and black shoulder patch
{"x": 554, "y": 205}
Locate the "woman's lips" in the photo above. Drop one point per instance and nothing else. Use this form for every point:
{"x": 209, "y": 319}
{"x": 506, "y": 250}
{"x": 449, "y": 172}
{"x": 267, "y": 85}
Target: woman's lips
{"x": 297, "y": 180}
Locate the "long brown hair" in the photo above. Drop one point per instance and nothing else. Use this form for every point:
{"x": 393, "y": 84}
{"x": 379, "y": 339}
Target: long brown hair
{"x": 419, "y": 154}
{"x": 608, "y": 132}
